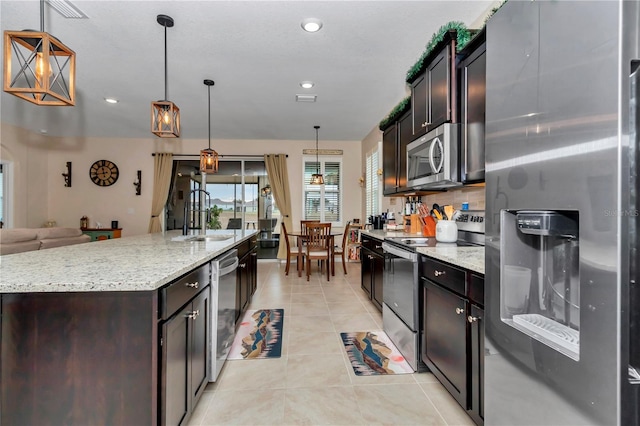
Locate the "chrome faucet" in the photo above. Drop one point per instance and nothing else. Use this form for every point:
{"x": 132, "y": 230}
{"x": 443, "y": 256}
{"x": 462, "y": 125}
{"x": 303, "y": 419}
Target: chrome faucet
{"x": 188, "y": 211}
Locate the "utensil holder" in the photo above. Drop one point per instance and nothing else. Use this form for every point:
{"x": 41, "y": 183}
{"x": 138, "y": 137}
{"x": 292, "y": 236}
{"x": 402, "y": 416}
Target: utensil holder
{"x": 446, "y": 231}
{"x": 429, "y": 228}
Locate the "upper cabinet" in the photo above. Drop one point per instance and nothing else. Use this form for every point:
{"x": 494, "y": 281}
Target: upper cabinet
{"x": 434, "y": 98}
{"x": 396, "y": 134}
{"x": 472, "y": 83}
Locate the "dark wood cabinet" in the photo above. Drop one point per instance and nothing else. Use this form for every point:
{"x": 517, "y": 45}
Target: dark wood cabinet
{"x": 472, "y": 82}
{"x": 394, "y": 155}
{"x": 389, "y": 159}
{"x": 445, "y": 334}
{"x": 433, "y": 92}
{"x": 476, "y": 400}
{"x": 453, "y": 341}
{"x": 246, "y": 283}
{"x": 184, "y": 339}
{"x": 372, "y": 270}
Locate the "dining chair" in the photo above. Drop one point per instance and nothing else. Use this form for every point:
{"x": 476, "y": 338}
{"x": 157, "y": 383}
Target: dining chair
{"x": 290, "y": 253}
{"x": 318, "y": 246}
{"x": 344, "y": 249}
{"x": 304, "y": 223}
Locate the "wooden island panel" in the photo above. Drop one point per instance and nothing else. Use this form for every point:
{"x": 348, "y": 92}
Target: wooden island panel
{"x": 79, "y": 358}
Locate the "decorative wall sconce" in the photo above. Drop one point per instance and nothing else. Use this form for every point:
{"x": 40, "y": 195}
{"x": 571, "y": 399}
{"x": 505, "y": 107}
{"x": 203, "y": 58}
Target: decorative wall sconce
{"x": 38, "y": 67}
{"x": 138, "y": 183}
{"x": 67, "y": 176}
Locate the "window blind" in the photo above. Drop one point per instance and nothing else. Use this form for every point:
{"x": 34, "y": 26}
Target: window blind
{"x": 323, "y": 202}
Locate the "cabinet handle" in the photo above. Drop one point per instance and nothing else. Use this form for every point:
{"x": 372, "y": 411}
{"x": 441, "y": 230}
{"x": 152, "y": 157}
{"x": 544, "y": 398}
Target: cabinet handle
{"x": 472, "y": 319}
{"x": 242, "y": 265}
{"x": 192, "y": 285}
{"x": 423, "y": 125}
{"x": 459, "y": 311}
{"x": 378, "y": 247}
{"x": 438, "y": 273}
{"x": 193, "y": 314}
{"x": 369, "y": 256}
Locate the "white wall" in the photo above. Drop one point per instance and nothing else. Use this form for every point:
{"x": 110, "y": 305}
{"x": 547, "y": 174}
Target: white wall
{"x": 40, "y": 194}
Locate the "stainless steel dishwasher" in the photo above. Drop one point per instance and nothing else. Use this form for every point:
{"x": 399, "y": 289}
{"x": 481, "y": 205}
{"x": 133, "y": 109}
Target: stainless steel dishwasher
{"x": 223, "y": 310}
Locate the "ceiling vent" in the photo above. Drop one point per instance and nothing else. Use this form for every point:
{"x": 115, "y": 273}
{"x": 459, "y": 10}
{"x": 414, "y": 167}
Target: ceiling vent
{"x": 66, "y": 9}
{"x": 306, "y": 98}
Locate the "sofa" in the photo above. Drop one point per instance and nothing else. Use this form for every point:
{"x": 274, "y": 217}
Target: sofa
{"x": 18, "y": 240}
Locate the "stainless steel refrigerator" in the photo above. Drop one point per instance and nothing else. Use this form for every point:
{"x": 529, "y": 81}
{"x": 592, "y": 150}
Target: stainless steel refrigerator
{"x": 562, "y": 304}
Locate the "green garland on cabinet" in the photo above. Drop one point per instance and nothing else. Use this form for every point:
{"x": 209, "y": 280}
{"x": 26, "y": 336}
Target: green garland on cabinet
{"x": 395, "y": 113}
{"x": 463, "y": 36}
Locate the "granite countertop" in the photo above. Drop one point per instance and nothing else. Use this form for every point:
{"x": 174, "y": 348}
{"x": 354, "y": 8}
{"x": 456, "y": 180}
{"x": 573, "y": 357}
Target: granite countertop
{"x": 471, "y": 258}
{"x": 138, "y": 263}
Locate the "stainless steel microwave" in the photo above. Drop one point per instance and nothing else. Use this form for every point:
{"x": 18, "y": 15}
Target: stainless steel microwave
{"x": 433, "y": 161}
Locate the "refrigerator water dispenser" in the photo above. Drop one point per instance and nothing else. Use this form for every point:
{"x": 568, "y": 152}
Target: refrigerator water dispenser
{"x": 539, "y": 276}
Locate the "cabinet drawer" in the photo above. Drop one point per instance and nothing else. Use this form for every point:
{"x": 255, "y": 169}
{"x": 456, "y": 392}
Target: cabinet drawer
{"x": 443, "y": 274}
{"x": 476, "y": 289}
{"x": 176, "y": 294}
{"x": 372, "y": 244}
{"x": 246, "y": 246}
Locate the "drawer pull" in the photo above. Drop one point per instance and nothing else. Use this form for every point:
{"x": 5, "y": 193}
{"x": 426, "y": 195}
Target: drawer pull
{"x": 378, "y": 247}
{"x": 438, "y": 273}
{"x": 459, "y": 311}
{"x": 192, "y": 285}
{"x": 472, "y": 319}
{"x": 243, "y": 265}
{"x": 193, "y": 314}
{"x": 423, "y": 125}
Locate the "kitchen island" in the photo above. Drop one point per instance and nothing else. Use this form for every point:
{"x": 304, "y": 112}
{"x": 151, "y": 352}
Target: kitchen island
{"x": 85, "y": 336}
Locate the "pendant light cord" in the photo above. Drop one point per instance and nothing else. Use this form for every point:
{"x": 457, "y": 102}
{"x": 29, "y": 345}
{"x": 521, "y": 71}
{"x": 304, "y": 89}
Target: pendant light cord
{"x": 209, "y": 87}
{"x": 165, "y": 64}
{"x": 317, "y": 161}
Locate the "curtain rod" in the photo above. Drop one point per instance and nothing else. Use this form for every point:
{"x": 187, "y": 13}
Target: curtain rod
{"x": 221, "y": 156}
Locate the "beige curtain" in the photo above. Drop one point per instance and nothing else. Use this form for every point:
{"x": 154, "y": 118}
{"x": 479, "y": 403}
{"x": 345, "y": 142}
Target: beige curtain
{"x": 162, "y": 165}
{"x": 279, "y": 179}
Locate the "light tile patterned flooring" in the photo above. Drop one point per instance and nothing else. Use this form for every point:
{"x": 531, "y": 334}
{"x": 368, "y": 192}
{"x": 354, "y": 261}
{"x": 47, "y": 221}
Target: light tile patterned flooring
{"x": 313, "y": 382}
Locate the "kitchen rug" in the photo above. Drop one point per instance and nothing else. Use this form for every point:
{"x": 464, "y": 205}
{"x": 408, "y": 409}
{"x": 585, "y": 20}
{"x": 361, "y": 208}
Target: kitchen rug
{"x": 372, "y": 353}
{"x": 259, "y": 335}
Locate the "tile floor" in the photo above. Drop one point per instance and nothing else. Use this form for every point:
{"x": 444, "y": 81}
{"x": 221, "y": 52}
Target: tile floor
{"x": 313, "y": 382}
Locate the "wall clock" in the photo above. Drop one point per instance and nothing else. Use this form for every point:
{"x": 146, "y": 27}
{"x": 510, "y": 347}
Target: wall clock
{"x": 104, "y": 173}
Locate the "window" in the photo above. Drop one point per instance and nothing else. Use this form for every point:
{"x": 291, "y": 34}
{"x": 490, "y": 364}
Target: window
{"x": 323, "y": 202}
{"x": 372, "y": 182}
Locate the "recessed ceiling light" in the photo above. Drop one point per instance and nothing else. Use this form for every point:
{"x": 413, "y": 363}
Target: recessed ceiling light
{"x": 311, "y": 25}
{"x": 306, "y": 84}
{"x": 111, "y": 100}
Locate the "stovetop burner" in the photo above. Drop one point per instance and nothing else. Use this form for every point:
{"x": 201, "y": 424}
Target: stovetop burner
{"x": 470, "y": 233}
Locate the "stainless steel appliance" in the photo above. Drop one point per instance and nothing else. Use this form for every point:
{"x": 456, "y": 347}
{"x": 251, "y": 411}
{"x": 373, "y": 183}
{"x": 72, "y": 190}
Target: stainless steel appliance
{"x": 223, "y": 310}
{"x": 433, "y": 160}
{"x": 401, "y": 310}
{"x": 562, "y": 303}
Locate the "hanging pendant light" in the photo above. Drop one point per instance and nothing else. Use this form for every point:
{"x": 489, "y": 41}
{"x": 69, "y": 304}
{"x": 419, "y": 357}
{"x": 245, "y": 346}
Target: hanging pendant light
{"x": 208, "y": 157}
{"x": 165, "y": 115}
{"x": 317, "y": 178}
{"x": 38, "y": 67}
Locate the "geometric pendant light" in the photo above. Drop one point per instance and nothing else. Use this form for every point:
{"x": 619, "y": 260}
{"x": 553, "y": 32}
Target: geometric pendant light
{"x": 38, "y": 67}
{"x": 317, "y": 178}
{"x": 209, "y": 157}
{"x": 165, "y": 115}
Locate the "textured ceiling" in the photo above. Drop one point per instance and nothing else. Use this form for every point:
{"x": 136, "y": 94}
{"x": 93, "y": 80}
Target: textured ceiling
{"x": 255, "y": 51}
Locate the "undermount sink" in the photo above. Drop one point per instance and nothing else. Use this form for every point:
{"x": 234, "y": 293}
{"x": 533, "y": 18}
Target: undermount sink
{"x": 208, "y": 237}
{"x": 211, "y": 237}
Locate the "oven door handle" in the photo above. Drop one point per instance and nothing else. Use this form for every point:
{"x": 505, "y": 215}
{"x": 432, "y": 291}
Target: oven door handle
{"x": 404, "y": 254}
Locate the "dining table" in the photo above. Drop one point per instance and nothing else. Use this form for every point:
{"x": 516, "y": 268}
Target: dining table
{"x": 301, "y": 236}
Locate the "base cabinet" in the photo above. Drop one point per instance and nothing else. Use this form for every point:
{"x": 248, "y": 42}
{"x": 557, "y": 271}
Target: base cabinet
{"x": 246, "y": 276}
{"x": 372, "y": 269}
{"x": 453, "y": 341}
{"x": 184, "y": 339}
